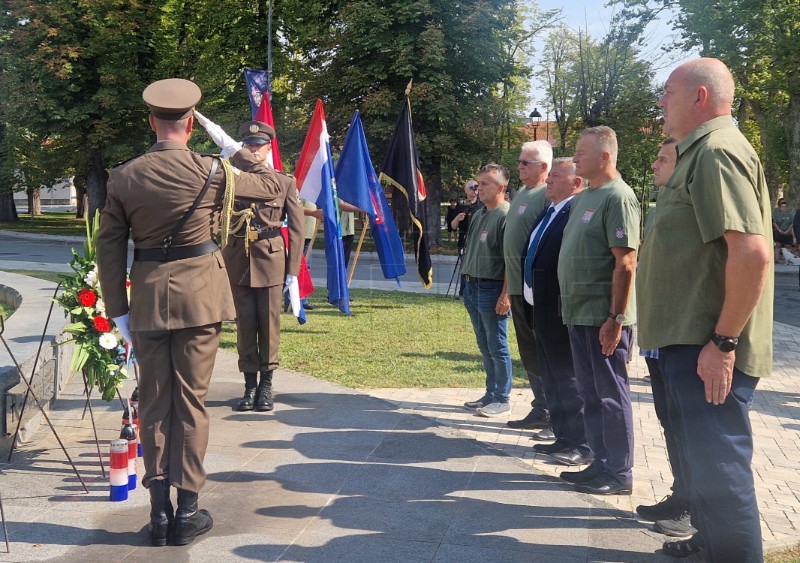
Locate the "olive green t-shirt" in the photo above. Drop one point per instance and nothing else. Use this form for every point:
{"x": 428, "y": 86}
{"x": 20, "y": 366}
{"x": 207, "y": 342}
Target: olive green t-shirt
{"x": 526, "y": 206}
{"x": 718, "y": 186}
{"x": 600, "y": 219}
{"x": 483, "y": 252}
{"x": 783, "y": 220}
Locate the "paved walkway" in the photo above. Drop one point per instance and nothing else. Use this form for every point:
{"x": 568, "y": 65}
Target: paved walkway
{"x": 775, "y": 417}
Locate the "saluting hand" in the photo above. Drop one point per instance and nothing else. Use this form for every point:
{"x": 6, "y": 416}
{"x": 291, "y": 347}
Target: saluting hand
{"x": 218, "y": 135}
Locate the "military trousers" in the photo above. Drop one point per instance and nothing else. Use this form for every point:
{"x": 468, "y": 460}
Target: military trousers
{"x": 258, "y": 326}
{"x": 175, "y": 372}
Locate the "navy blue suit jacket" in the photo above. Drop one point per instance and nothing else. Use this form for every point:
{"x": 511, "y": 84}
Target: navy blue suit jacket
{"x": 546, "y": 290}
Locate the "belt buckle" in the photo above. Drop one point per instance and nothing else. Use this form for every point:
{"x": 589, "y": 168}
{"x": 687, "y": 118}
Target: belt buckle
{"x": 252, "y": 236}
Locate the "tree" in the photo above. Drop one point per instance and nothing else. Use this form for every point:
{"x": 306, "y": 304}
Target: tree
{"x": 73, "y": 74}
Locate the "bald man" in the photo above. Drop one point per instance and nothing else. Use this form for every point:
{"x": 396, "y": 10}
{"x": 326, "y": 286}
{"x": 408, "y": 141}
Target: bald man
{"x": 708, "y": 306}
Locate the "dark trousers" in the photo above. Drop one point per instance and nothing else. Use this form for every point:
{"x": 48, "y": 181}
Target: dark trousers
{"x": 560, "y": 386}
{"x": 258, "y": 326}
{"x": 176, "y": 371}
{"x": 347, "y": 245}
{"x": 607, "y": 413}
{"x": 522, "y": 316}
{"x": 717, "y": 443}
{"x": 661, "y": 400}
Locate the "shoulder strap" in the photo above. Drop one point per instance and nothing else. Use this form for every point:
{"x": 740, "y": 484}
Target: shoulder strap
{"x": 174, "y": 232}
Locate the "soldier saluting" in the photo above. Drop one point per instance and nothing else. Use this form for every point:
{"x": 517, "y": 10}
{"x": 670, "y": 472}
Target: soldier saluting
{"x": 258, "y": 264}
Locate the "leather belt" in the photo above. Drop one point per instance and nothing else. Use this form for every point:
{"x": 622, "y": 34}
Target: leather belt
{"x": 471, "y": 279}
{"x": 272, "y": 233}
{"x": 174, "y": 252}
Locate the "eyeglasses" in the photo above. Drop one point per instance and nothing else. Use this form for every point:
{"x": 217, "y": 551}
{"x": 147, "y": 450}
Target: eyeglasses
{"x": 527, "y": 162}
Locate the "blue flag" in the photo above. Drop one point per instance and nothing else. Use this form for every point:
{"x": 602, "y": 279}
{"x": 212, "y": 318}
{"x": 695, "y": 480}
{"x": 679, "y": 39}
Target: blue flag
{"x": 358, "y": 184}
{"x": 256, "y": 86}
{"x": 316, "y": 182}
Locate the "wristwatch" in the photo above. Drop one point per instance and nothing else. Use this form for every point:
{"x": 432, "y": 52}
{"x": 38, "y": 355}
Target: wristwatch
{"x": 725, "y": 343}
{"x": 619, "y": 319}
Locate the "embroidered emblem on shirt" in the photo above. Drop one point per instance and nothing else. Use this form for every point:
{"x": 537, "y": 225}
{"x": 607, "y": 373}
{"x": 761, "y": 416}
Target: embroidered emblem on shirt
{"x": 522, "y": 208}
{"x": 587, "y": 215}
{"x": 620, "y": 233}
{"x": 484, "y": 236}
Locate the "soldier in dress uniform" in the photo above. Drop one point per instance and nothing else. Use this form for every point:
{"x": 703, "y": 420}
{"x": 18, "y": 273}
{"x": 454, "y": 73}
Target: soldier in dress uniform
{"x": 258, "y": 264}
{"x": 179, "y": 292}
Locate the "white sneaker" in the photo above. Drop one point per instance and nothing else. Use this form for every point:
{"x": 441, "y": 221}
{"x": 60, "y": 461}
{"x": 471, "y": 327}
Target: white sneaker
{"x": 495, "y": 409}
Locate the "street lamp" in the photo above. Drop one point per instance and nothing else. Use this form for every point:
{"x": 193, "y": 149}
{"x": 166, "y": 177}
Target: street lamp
{"x": 536, "y": 117}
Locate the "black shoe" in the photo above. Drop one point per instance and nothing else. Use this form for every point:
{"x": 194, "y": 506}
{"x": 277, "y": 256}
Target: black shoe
{"x": 162, "y": 515}
{"x": 571, "y": 456}
{"x": 682, "y": 548}
{"x": 604, "y": 484}
{"x": 581, "y": 476}
{"x": 264, "y": 400}
{"x": 678, "y": 527}
{"x": 669, "y": 507}
{"x": 534, "y": 419}
{"x": 549, "y": 449}
{"x": 190, "y": 521}
{"x": 480, "y": 403}
{"x": 248, "y": 400}
{"x": 544, "y": 435}
{"x": 309, "y": 306}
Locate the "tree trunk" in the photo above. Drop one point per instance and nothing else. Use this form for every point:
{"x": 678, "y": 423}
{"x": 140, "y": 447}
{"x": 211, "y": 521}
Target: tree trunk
{"x": 80, "y": 197}
{"x": 34, "y": 201}
{"x": 793, "y": 139}
{"x": 8, "y": 209}
{"x": 433, "y": 183}
{"x": 96, "y": 178}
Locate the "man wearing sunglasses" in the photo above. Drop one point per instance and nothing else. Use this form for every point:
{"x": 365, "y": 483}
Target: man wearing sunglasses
{"x": 533, "y": 166}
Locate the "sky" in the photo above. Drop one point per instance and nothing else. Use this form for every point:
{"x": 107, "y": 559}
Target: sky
{"x": 593, "y": 16}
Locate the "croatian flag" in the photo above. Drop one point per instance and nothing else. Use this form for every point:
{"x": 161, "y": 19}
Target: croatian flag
{"x": 317, "y": 184}
{"x": 264, "y": 114}
{"x": 359, "y": 186}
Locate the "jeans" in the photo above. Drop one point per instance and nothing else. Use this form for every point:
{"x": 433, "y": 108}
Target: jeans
{"x": 717, "y": 444}
{"x": 491, "y": 332}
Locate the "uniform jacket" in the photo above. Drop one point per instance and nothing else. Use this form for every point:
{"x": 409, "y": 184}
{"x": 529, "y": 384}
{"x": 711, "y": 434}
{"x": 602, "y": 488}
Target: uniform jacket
{"x": 147, "y": 196}
{"x": 268, "y": 261}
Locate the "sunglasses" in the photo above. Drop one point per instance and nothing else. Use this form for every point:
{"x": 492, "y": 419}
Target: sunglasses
{"x": 527, "y": 162}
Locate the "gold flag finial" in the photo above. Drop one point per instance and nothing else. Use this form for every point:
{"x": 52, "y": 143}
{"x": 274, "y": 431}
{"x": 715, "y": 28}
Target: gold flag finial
{"x": 408, "y": 88}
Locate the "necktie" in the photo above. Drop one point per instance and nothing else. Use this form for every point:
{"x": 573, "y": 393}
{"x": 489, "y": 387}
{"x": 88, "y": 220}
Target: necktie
{"x": 531, "y": 253}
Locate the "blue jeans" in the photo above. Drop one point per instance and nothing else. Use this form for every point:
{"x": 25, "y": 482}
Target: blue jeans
{"x": 491, "y": 332}
{"x": 717, "y": 445}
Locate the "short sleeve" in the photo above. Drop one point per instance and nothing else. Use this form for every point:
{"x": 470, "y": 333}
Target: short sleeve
{"x": 622, "y": 221}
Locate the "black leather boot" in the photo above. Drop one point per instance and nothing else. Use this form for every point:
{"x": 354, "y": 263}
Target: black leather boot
{"x": 162, "y": 515}
{"x": 264, "y": 397}
{"x": 190, "y": 521}
{"x": 250, "y": 383}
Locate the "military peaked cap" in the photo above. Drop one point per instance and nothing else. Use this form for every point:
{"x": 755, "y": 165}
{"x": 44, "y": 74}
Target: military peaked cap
{"x": 172, "y": 98}
{"x": 256, "y": 133}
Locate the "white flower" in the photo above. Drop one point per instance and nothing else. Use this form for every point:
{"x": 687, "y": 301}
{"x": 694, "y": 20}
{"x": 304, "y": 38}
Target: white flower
{"x": 108, "y": 341}
{"x": 101, "y": 307}
{"x": 91, "y": 278}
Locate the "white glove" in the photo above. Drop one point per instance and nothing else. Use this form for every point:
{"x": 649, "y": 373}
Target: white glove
{"x": 123, "y": 326}
{"x": 290, "y": 280}
{"x": 219, "y": 136}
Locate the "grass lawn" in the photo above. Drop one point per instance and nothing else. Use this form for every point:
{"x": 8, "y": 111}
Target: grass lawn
{"x": 789, "y": 555}
{"x": 6, "y": 310}
{"x": 392, "y": 339}
{"x": 48, "y": 223}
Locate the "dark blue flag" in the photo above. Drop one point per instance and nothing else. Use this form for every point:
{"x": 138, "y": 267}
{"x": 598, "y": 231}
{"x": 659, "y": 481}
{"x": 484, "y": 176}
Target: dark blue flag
{"x": 358, "y": 185}
{"x": 256, "y": 87}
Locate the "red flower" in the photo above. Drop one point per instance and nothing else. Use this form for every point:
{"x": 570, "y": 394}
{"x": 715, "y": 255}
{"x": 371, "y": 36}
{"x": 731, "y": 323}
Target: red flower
{"x": 101, "y": 324}
{"x": 87, "y": 297}
{"x": 127, "y": 283}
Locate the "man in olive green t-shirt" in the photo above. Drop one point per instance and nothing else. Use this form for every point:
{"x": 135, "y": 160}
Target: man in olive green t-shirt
{"x": 595, "y": 271}
{"x": 485, "y": 296}
{"x": 706, "y": 304}
{"x": 534, "y": 164}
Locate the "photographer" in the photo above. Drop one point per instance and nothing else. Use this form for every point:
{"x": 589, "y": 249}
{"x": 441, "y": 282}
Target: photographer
{"x": 461, "y": 221}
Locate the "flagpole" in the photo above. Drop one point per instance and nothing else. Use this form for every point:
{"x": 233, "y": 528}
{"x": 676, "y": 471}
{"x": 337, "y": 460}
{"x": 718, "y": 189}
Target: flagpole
{"x": 358, "y": 251}
{"x": 269, "y": 49}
